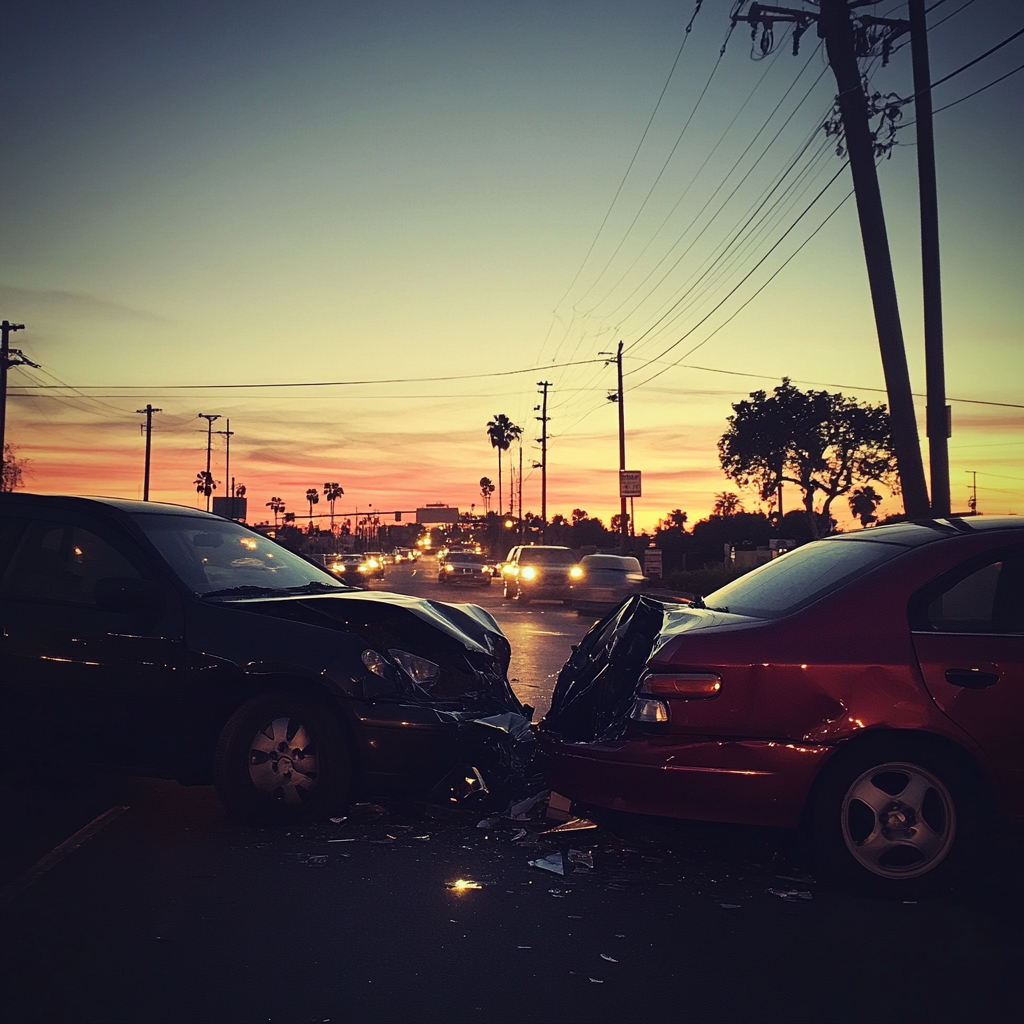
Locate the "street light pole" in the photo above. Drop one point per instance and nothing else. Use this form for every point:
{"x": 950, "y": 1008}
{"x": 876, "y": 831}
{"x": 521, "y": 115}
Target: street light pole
{"x": 8, "y": 357}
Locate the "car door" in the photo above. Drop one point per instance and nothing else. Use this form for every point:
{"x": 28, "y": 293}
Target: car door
{"x": 968, "y": 632}
{"x": 90, "y": 678}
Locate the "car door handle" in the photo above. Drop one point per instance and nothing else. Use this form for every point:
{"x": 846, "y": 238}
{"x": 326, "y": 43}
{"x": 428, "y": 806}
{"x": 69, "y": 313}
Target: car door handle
{"x": 971, "y": 678}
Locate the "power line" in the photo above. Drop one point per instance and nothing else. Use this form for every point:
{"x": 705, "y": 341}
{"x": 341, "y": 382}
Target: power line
{"x": 304, "y": 384}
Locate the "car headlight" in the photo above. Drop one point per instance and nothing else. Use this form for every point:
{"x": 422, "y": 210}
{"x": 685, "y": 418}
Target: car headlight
{"x": 373, "y": 563}
{"x": 449, "y": 568}
{"x": 576, "y": 573}
{"x": 528, "y": 572}
{"x": 420, "y": 671}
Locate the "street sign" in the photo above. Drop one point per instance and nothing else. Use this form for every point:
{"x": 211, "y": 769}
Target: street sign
{"x": 436, "y": 514}
{"x": 652, "y": 563}
{"x": 629, "y": 483}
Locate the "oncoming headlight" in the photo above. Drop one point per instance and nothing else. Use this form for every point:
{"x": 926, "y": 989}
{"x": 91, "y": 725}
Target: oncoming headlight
{"x": 420, "y": 671}
{"x": 449, "y": 567}
{"x": 576, "y": 573}
{"x": 528, "y": 572}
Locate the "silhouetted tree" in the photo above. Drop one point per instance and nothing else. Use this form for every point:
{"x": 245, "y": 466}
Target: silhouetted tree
{"x": 486, "y": 490}
{"x": 863, "y": 503}
{"x": 276, "y": 505}
{"x": 332, "y": 492}
{"x": 205, "y": 483}
{"x": 824, "y": 443}
{"x": 12, "y": 476}
{"x": 502, "y": 432}
{"x": 727, "y": 504}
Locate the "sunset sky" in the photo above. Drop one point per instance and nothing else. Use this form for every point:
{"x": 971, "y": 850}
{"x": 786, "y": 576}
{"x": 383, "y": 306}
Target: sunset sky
{"x": 418, "y": 210}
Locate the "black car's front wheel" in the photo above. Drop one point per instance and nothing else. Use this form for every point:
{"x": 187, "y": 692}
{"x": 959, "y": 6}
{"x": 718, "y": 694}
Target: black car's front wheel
{"x": 899, "y": 820}
{"x": 282, "y": 758}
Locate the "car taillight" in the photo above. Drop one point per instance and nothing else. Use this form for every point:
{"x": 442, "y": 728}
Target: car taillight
{"x": 682, "y": 685}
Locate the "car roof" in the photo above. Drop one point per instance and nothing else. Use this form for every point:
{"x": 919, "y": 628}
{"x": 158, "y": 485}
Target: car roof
{"x": 918, "y": 532}
{"x": 95, "y": 502}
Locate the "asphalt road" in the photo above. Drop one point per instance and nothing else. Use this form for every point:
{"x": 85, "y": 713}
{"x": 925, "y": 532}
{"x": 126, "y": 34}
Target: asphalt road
{"x": 169, "y": 911}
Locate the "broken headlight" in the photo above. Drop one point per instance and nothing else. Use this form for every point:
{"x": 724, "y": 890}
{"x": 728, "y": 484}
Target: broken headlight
{"x": 422, "y": 672}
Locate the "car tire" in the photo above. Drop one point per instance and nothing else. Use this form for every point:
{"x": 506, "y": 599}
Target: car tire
{"x": 506, "y": 591}
{"x": 898, "y": 818}
{"x": 263, "y": 779}
{"x": 521, "y": 597}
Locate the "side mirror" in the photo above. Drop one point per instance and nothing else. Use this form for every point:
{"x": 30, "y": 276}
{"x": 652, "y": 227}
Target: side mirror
{"x": 129, "y": 596}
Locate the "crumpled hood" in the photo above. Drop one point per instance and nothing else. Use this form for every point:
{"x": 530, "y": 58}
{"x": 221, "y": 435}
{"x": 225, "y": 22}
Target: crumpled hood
{"x": 470, "y": 625}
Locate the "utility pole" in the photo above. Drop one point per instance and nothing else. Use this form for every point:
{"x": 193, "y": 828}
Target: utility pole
{"x": 209, "y": 447}
{"x": 8, "y": 357}
{"x": 543, "y": 439}
{"x": 936, "y": 415}
{"x": 617, "y": 396}
{"x": 228, "y": 432}
{"x": 972, "y": 501}
{"x": 149, "y": 410}
{"x": 836, "y": 28}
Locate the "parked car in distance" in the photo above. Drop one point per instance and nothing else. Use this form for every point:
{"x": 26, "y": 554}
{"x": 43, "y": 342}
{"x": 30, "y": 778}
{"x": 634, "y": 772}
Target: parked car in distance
{"x": 464, "y": 568}
{"x": 870, "y": 685}
{"x": 606, "y": 581}
{"x": 539, "y": 572}
{"x": 163, "y": 641}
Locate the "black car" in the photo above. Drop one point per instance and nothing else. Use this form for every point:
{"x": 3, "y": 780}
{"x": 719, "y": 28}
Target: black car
{"x": 540, "y": 572}
{"x": 165, "y": 641}
{"x": 464, "y": 568}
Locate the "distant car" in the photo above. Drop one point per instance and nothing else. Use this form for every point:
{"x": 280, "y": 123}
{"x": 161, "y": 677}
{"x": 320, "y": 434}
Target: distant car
{"x": 373, "y": 565}
{"x": 540, "y": 572}
{"x": 164, "y": 641}
{"x": 870, "y": 685}
{"x": 606, "y": 581}
{"x": 464, "y": 568}
{"x": 347, "y": 567}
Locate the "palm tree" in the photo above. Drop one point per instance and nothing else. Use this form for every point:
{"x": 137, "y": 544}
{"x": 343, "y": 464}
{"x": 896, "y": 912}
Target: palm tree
{"x": 313, "y": 497}
{"x": 486, "y": 490}
{"x": 276, "y": 505}
{"x": 332, "y": 492}
{"x": 502, "y": 432}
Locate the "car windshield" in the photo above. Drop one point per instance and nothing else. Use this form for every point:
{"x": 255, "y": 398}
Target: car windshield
{"x": 215, "y": 557}
{"x": 466, "y": 556}
{"x": 547, "y": 556}
{"x": 796, "y": 579}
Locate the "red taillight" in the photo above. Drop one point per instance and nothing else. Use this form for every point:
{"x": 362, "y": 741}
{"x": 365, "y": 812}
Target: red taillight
{"x": 682, "y": 685}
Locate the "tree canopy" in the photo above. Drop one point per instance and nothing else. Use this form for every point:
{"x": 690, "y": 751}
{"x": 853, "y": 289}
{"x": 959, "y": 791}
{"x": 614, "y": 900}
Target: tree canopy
{"x": 822, "y": 442}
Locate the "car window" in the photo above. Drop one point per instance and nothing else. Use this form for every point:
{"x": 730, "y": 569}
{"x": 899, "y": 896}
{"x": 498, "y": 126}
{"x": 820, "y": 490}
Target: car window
{"x": 62, "y": 562}
{"x": 546, "y": 556}
{"x": 466, "y": 556}
{"x": 799, "y": 577}
{"x": 990, "y": 599}
{"x": 212, "y": 555}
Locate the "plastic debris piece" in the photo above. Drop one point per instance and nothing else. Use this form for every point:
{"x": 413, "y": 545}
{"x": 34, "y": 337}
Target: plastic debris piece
{"x": 462, "y": 884}
{"x": 520, "y": 810}
{"x": 620, "y": 936}
{"x": 730, "y": 906}
{"x": 343, "y": 840}
{"x": 490, "y": 822}
{"x": 524, "y": 947}
{"x": 559, "y": 807}
{"x": 791, "y": 895}
{"x": 610, "y": 959}
{"x": 583, "y": 858}
{"x": 552, "y": 862}
{"x": 519, "y": 835}
{"x": 572, "y": 825}
{"x": 559, "y": 894}
{"x": 317, "y": 860}
{"x": 338, "y": 821}
{"x": 597, "y": 981}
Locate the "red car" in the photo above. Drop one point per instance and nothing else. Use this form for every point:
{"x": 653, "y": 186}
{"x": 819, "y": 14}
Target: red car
{"x": 870, "y": 685}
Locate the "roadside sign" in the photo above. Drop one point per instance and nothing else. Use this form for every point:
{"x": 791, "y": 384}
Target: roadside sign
{"x": 652, "y": 562}
{"x": 436, "y": 514}
{"x": 629, "y": 483}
